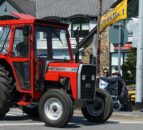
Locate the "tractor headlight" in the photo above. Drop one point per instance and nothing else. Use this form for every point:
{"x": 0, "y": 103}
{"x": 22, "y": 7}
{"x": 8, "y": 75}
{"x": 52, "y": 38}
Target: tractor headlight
{"x": 93, "y": 77}
{"x": 83, "y": 77}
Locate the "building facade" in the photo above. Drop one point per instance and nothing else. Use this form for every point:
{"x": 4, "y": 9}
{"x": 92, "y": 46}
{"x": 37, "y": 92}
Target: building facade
{"x": 76, "y": 13}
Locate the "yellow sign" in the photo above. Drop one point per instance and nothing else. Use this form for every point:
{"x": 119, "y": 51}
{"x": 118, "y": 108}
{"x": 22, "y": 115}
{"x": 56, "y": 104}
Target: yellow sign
{"x": 114, "y": 15}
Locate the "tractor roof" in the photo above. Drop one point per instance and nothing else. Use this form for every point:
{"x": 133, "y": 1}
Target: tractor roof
{"x": 32, "y": 21}
{"x": 28, "y": 19}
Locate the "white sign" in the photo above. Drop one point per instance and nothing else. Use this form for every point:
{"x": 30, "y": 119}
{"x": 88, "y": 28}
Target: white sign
{"x": 135, "y": 32}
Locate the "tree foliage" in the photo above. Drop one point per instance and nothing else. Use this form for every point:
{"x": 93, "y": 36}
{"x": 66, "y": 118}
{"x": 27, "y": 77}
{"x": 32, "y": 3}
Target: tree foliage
{"x": 129, "y": 67}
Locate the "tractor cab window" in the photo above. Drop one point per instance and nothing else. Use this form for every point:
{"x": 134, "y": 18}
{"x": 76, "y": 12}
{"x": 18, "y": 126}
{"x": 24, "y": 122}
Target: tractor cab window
{"x": 51, "y": 43}
{"x": 21, "y": 43}
{"x": 4, "y": 39}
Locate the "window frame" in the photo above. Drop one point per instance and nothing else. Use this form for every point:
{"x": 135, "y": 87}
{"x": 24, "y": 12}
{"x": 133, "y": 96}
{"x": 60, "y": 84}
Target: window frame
{"x": 51, "y": 52}
{"x": 18, "y": 56}
{"x": 81, "y": 22}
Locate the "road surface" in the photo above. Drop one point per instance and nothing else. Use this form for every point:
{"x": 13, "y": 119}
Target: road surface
{"x": 16, "y": 120}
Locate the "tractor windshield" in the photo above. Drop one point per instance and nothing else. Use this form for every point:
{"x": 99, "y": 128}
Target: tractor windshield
{"x": 4, "y": 38}
{"x": 51, "y": 43}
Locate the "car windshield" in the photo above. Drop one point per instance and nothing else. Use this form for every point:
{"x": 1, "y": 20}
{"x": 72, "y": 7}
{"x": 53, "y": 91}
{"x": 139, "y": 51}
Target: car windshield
{"x": 51, "y": 43}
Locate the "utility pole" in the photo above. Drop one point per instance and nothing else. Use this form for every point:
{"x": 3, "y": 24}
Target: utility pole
{"x": 139, "y": 65}
{"x": 119, "y": 47}
{"x": 98, "y": 42}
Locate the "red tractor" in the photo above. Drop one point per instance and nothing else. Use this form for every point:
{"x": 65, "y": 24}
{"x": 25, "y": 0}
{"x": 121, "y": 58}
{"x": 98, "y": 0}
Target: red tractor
{"x": 33, "y": 76}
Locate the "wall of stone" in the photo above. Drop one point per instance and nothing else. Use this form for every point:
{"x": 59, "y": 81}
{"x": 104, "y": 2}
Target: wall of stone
{"x": 104, "y": 54}
{"x": 87, "y": 52}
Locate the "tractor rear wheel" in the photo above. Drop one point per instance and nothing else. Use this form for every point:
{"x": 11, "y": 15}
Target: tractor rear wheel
{"x": 101, "y": 110}
{"x": 55, "y": 108}
{"x": 5, "y": 91}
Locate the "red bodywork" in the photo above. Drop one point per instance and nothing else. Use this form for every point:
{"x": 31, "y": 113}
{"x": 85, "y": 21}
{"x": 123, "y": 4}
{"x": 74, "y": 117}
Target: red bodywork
{"x": 61, "y": 70}
{"x": 50, "y": 74}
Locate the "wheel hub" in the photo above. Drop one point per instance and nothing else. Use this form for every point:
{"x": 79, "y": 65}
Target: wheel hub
{"x": 97, "y": 108}
{"x": 53, "y": 109}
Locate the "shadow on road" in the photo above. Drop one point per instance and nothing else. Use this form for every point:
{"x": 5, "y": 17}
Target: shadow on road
{"x": 78, "y": 121}
{"x": 18, "y": 118}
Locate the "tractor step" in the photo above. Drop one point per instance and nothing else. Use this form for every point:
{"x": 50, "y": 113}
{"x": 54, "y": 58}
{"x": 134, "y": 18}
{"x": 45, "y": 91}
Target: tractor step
{"x": 23, "y": 101}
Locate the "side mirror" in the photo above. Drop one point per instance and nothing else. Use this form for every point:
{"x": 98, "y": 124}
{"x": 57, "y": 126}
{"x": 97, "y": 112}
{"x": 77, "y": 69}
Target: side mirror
{"x": 26, "y": 30}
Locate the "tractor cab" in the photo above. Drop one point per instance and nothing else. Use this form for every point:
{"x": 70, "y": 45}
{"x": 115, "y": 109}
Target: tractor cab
{"x": 30, "y": 45}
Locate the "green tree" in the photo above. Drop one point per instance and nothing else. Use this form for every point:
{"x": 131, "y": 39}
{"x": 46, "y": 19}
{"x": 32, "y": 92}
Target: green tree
{"x": 129, "y": 67}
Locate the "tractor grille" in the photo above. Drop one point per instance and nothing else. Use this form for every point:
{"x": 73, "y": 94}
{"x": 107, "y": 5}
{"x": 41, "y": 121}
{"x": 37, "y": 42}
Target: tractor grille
{"x": 86, "y": 81}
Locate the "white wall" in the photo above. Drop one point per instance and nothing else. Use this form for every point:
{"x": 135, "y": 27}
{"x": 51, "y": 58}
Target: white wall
{"x": 7, "y": 6}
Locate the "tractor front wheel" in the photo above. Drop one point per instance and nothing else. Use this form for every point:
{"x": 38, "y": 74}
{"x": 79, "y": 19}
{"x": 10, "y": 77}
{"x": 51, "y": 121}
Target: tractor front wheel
{"x": 55, "y": 108}
{"x": 101, "y": 110}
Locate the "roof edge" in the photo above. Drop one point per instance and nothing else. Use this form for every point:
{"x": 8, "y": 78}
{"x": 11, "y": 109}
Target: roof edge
{"x": 71, "y": 17}
{"x": 82, "y": 42}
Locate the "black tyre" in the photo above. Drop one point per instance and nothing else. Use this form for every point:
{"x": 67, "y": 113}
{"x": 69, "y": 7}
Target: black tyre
{"x": 6, "y": 89}
{"x": 55, "y": 108}
{"x": 31, "y": 111}
{"x": 101, "y": 110}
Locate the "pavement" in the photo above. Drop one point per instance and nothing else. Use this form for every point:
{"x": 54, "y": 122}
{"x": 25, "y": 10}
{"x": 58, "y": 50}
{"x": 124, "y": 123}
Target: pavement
{"x": 123, "y": 115}
{"x": 132, "y": 116}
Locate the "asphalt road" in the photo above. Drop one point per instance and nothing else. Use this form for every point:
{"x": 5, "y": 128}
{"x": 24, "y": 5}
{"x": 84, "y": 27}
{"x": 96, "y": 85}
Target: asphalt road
{"x": 16, "y": 120}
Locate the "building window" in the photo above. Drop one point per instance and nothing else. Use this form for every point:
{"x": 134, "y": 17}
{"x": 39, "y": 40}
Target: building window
{"x": 83, "y": 25}
{"x": 45, "y": 35}
{"x": 114, "y": 60}
{"x": 129, "y": 26}
{"x": 54, "y": 35}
